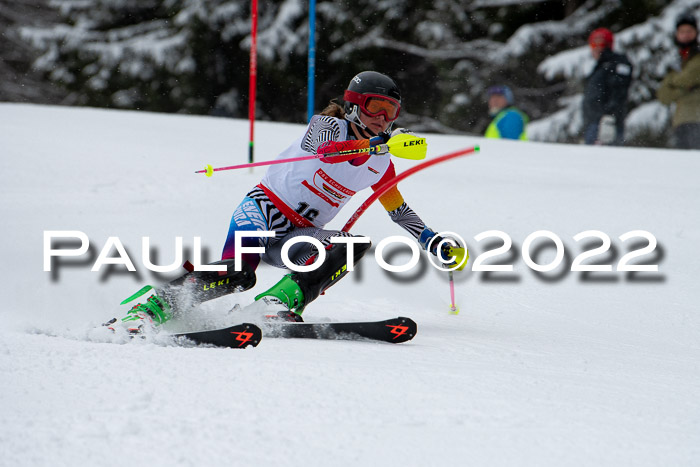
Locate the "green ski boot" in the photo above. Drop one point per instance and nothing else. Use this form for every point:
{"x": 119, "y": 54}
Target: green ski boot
{"x": 153, "y": 312}
{"x": 287, "y": 295}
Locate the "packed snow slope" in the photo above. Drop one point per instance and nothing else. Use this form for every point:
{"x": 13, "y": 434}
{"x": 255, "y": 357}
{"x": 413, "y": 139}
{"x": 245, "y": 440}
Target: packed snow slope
{"x": 539, "y": 368}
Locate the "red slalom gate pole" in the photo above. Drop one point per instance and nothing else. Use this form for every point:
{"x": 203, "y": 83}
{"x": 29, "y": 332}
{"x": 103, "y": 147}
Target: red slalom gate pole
{"x": 391, "y": 183}
{"x": 252, "y": 76}
{"x": 394, "y": 181}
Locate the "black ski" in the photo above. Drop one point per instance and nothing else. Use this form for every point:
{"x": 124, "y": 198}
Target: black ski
{"x": 395, "y": 330}
{"x": 239, "y": 336}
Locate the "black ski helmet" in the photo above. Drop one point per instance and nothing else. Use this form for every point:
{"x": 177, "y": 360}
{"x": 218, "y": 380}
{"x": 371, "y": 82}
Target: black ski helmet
{"x": 370, "y": 82}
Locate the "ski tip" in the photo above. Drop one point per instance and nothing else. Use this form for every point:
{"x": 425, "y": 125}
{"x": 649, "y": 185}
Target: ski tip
{"x": 246, "y": 334}
{"x": 238, "y": 336}
{"x": 402, "y": 329}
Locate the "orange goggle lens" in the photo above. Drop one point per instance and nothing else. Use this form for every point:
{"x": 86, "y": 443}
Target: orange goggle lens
{"x": 375, "y": 104}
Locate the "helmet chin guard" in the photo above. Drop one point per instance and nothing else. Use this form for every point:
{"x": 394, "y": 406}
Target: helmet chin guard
{"x": 353, "y": 114}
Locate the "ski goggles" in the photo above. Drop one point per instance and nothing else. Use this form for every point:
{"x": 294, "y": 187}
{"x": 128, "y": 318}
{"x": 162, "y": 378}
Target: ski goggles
{"x": 375, "y": 104}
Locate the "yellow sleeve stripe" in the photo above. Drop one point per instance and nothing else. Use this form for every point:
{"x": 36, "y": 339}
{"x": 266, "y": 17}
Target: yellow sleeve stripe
{"x": 392, "y": 199}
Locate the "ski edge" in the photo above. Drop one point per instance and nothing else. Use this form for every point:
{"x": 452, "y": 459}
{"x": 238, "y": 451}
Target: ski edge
{"x": 239, "y": 336}
{"x": 401, "y": 329}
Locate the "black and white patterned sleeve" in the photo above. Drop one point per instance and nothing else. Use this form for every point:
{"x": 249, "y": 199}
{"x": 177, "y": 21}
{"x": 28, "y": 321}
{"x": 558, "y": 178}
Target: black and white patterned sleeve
{"x": 322, "y": 130}
{"x": 409, "y": 220}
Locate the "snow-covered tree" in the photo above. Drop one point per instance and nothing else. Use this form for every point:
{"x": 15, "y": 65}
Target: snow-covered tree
{"x": 649, "y": 46}
{"x": 192, "y": 56}
{"x": 165, "y": 55}
{"x": 17, "y": 80}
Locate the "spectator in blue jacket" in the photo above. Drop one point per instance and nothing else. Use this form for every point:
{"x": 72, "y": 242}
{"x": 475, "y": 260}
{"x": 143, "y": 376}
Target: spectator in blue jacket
{"x": 508, "y": 121}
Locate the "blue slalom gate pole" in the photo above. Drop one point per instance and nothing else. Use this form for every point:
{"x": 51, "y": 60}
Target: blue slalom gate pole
{"x": 312, "y": 60}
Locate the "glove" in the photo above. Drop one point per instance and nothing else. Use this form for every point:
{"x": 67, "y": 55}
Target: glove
{"x": 332, "y": 148}
{"x": 451, "y": 251}
{"x": 400, "y": 131}
{"x": 428, "y": 238}
{"x": 606, "y": 130}
{"x": 425, "y": 237}
{"x": 377, "y": 144}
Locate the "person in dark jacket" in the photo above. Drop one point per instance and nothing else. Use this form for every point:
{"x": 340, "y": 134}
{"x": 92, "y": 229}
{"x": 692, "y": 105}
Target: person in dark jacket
{"x": 605, "y": 93}
{"x": 683, "y": 87}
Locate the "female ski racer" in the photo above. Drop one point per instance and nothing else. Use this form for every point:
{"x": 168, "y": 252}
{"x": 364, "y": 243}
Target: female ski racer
{"x": 300, "y": 198}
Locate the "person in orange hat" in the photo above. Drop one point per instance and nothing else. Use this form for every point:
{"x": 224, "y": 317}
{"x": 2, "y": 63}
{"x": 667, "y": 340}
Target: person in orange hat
{"x": 605, "y": 93}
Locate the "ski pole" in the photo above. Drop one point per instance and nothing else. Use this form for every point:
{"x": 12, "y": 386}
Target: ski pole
{"x": 405, "y": 146}
{"x": 454, "y": 310}
{"x": 460, "y": 256}
{"x": 209, "y": 170}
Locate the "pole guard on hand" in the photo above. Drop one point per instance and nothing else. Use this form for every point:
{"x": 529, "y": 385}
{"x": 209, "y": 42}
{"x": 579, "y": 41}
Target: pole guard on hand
{"x": 459, "y": 256}
{"x": 408, "y": 146}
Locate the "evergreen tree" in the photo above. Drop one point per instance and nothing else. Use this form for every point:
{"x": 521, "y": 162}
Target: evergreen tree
{"x": 192, "y": 56}
{"x": 18, "y": 82}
